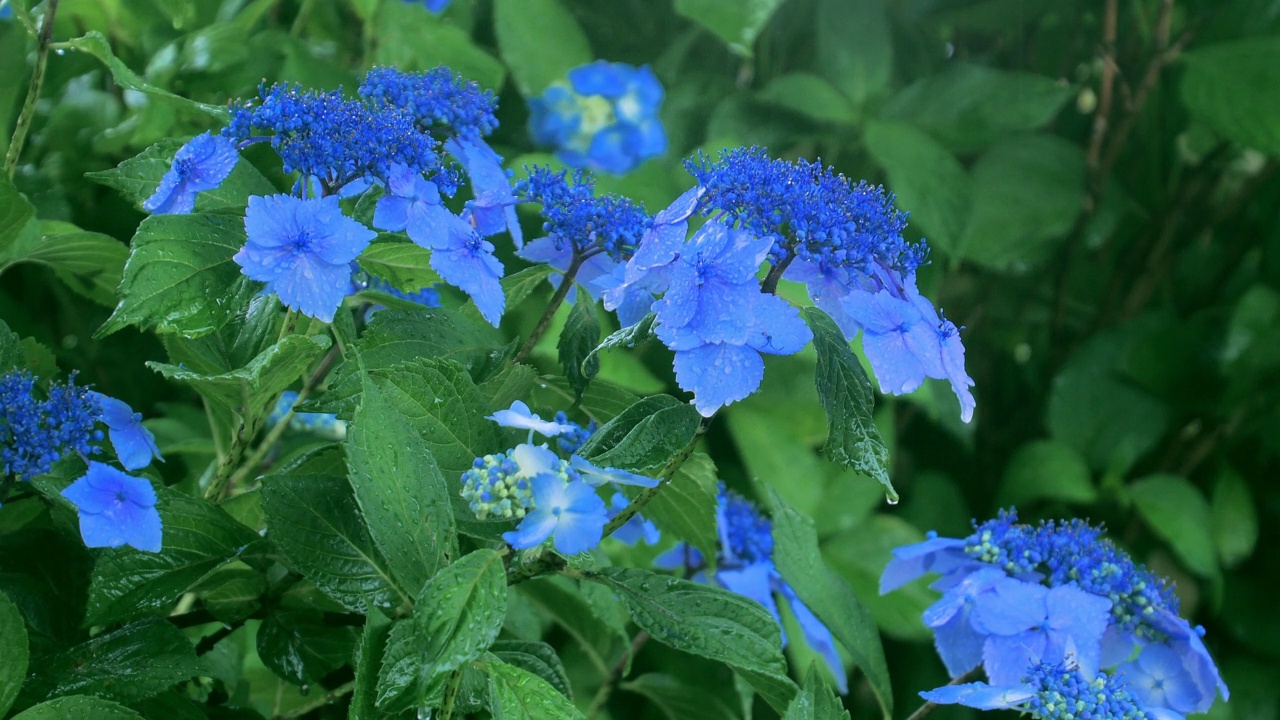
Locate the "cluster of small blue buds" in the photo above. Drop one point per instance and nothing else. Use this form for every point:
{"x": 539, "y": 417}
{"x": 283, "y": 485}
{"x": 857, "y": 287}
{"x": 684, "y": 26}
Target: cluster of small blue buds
{"x": 333, "y": 139}
{"x": 1063, "y": 693}
{"x": 35, "y": 433}
{"x": 820, "y": 215}
{"x": 570, "y": 442}
{"x": 434, "y": 6}
{"x": 746, "y": 535}
{"x": 575, "y": 215}
{"x": 605, "y": 117}
{"x": 1074, "y": 552}
{"x": 438, "y": 99}
{"x": 494, "y": 487}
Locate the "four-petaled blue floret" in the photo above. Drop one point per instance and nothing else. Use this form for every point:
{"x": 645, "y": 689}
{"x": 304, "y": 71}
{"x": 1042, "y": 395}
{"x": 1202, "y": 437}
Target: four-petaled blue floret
{"x": 202, "y": 164}
{"x": 115, "y": 509}
{"x": 134, "y": 444}
{"x": 604, "y": 118}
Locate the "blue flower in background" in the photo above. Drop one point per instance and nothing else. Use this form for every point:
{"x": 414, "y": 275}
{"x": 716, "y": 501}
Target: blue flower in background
{"x": 435, "y": 6}
{"x": 202, "y": 164}
{"x": 325, "y": 425}
{"x": 1055, "y": 691}
{"x": 134, "y": 444}
{"x": 115, "y": 509}
{"x": 604, "y": 118}
{"x": 6, "y": 12}
{"x": 597, "y": 476}
{"x": 570, "y": 513}
{"x": 35, "y": 433}
{"x": 745, "y": 566}
{"x": 572, "y": 440}
{"x": 302, "y": 250}
{"x": 1018, "y": 599}
{"x": 635, "y": 529}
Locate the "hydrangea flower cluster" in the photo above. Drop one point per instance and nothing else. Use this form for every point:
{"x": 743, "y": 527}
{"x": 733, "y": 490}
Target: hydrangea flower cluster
{"x": 744, "y": 565}
{"x": 552, "y": 497}
{"x": 843, "y": 240}
{"x": 325, "y": 425}
{"x": 114, "y": 508}
{"x": 605, "y": 117}
{"x": 1053, "y": 692}
{"x": 1016, "y": 597}
{"x": 389, "y": 139}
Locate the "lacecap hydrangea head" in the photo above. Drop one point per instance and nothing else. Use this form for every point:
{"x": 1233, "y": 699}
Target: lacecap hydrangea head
{"x": 604, "y": 117}
{"x": 37, "y": 432}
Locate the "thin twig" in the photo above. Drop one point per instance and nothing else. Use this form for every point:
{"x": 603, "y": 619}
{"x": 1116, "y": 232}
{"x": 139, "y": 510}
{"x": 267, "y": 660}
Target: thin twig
{"x": 566, "y": 284}
{"x": 33, "y": 91}
{"x": 328, "y": 698}
{"x": 611, "y": 682}
{"x": 1107, "y": 87}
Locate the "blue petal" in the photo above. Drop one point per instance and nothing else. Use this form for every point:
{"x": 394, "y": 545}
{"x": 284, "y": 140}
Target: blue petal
{"x": 819, "y": 638}
{"x": 752, "y": 581}
{"x": 581, "y": 523}
{"x": 896, "y": 366}
{"x": 521, "y": 417}
{"x": 958, "y": 644}
{"x": 718, "y": 375}
{"x": 133, "y": 443}
{"x": 391, "y": 213}
{"x": 981, "y": 696}
{"x": 597, "y": 476}
{"x": 1010, "y": 608}
{"x": 475, "y": 271}
{"x": 1075, "y": 623}
{"x": 313, "y": 287}
{"x": 913, "y": 561}
{"x": 1007, "y": 658}
{"x": 532, "y": 531}
{"x": 601, "y": 78}
{"x": 776, "y": 326}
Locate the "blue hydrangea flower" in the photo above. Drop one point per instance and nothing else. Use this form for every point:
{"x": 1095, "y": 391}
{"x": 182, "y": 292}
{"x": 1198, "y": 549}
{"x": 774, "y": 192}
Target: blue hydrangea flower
{"x": 501, "y": 484}
{"x": 744, "y": 565}
{"x": 461, "y": 257}
{"x": 325, "y": 425}
{"x": 115, "y": 509}
{"x": 519, "y": 416}
{"x": 202, "y": 164}
{"x": 1054, "y": 691}
{"x": 634, "y": 530}
{"x": 570, "y": 513}
{"x": 597, "y": 476}
{"x": 434, "y": 6}
{"x": 1017, "y": 597}
{"x": 604, "y": 118}
{"x": 134, "y": 444}
{"x": 302, "y": 250}
{"x": 493, "y": 209}
{"x": 35, "y": 433}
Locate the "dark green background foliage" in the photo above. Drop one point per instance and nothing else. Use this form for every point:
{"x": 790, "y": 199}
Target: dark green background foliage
{"x": 1097, "y": 180}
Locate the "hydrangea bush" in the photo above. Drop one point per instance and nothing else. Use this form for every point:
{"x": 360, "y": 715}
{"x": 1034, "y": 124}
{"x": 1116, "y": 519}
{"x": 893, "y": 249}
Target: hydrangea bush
{"x": 543, "y": 359}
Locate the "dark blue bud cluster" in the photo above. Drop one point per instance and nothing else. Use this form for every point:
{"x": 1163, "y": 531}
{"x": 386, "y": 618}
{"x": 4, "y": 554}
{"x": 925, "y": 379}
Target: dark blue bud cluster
{"x": 438, "y": 99}
{"x": 746, "y": 534}
{"x": 819, "y": 216}
{"x": 1075, "y": 553}
{"x": 326, "y": 136}
{"x": 1064, "y": 693}
{"x": 575, "y": 214}
{"x": 35, "y": 433}
{"x": 570, "y": 442}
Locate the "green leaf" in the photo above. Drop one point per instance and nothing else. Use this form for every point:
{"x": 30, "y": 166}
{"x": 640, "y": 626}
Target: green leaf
{"x": 645, "y": 436}
{"x": 627, "y": 337}
{"x": 737, "y": 22}
{"x": 199, "y": 537}
{"x": 860, "y": 555}
{"x": 1027, "y": 192}
{"x": 78, "y": 706}
{"x": 1235, "y": 518}
{"x": 456, "y": 618}
{"x": 177, "y": 264}
{"x": 578, "y": 340}
{"x": 89, "y": 263}
{"x": 677, "y": 699}
{"x": 138, "y": 177}
{"x": 1176, "y": 511}
{"x": 853, "y": 47}
{"x": 511, "y": 384}
{"x": 404, "y": 498}
{"x": 373, "y": 644}
{"x": 523, "y": 28}
{"x": 233, "y": 594}
{"x": 563, "y": 602}
{"x": 811, "y": 96}
{"x": 15, "y": 212}
{"x": 537, "y": 658}
{"x": 968, "y": 107}
{"x": 405, "y": 265}
{"x": 1047, "y": 469}
{"x": 796, "y": 555}
{"x": 816, "y": 701}
{"x": 409, "y": 39}
{"x": 1234, "y": 88}
{"x": 601, "y": 402}
{"x": 316, "y": 523}
{"x": 275, "y": 369}
{"x": 845, "y": 392}
{"x": 708, "y": 622}
{"x": 518, "y": 286}
{"x": 97, "y": 45}
{"x": 13, "y": 662}
{"x": 686, "y": 507}
{"x": 300, "y": 648}
{"x": 517, "y": 694}
{"x": 926, "y": 177}
{"x": 130, "y": 664}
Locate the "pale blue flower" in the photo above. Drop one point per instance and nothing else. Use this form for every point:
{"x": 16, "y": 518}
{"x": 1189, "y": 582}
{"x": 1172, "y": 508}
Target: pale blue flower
{"x": 570, "y": 513}
{"x": 519, "y": 416}
{"x": 115, "y": 509}
{"x": 597, "y": 476}
{"x": 134, "y": 444}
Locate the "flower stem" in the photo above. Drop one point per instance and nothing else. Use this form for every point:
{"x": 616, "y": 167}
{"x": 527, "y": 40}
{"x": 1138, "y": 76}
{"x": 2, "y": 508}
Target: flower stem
{"x": 664, "y": 478}
{"x": 566, "y": 284}
{"x": 611, "y": 682}
{"x": 770, "y": 284}
{"x": 33, "y": 91}
{"x": 450, "y": 694}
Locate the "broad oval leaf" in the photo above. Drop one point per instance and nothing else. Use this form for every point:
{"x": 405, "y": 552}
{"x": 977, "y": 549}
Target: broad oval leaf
{"x": 13, "y": 661}
{"x": 78, "y": 706}
{"x": 517, "y": 694}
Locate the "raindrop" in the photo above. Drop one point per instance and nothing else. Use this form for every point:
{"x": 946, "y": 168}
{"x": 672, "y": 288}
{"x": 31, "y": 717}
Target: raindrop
{"x": 304, "y": 690}
{"x": 891, "y": 499}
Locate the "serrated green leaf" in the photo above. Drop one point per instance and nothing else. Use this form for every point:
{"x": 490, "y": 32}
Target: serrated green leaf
{"x": 627, "y": 337}
{"x": 522, "y": 28}
{"x": 316, "y": 522}
{"x": 708, "y": 622}
{"x": 1231, "y": 87}
{"x": 645, "y": 436}
{"x": 517, "y": 694}
{"x": 816, "y": 701}
{"x": 405, "y": 265}
{"x": 399, "y": 487}
{"x": 736, "y": 22}
{"x": 853, "y": 441}
{"x": 300, "y": 648}
{"x": 409, "y": 39}
{"x": 199, "y": 537}
{"x": 677, "y": 699}
{"x": 686, "y": 507}
{"x": 1046, "y": 469}
{"x": 1235, "y": 518}
{"x": 89, "y": 263}
{"x": 97, "y": 45}
{"x": 456, "y": 618}
{"x": 78, "y": 706}
{"x": 178, "y": 263}
{"x": 233, "y": 594}
{"x": 511, "y": 384}
{"x": 537, "y": 658}
{"x": 601, "y": 641}
{"x": 368, "y": 661}
{"x": 13, "y": 661}
{"x": 11, "y": 352}
{"x": 799, "y": 561}
{"x": 130, "y": 664}
{"x": 1176, "y": 511}
{"x": 578, "y": 339}
{"x": 926, "y": 177}
{"x": 137, "y": 178}
{"x": 518, "y": 286}
{"x": 860, "y": 553}
{"x": 15, "y": 213}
